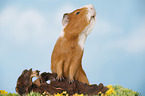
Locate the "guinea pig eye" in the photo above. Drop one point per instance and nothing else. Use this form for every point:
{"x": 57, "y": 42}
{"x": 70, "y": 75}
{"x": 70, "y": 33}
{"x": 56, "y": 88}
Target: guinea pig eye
{"x": 77, "y": 13}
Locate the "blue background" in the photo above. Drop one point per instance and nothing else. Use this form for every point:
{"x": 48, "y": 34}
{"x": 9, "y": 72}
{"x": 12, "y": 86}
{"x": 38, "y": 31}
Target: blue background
{"x": 114, "y": 51}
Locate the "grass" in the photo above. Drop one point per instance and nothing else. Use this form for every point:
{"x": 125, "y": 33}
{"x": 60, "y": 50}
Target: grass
{"x": 120, "y": 91}
{"x": 116, "y": 90}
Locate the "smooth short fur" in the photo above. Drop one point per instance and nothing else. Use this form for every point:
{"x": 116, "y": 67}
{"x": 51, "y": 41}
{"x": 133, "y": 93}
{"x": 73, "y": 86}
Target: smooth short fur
{"x": 66, "y": 59}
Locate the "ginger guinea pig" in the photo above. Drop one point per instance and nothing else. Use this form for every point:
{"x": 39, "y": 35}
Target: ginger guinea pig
{"x": 66, "y": 59}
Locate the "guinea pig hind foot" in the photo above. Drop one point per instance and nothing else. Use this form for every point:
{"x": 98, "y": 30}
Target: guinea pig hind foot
{"x": 71, "y": 81}
{"x": 59, "y": 78}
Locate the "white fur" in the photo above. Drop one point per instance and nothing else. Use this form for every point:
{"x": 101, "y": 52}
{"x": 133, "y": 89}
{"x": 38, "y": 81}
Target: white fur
{"x": 82, "y": 39}
{"x": 61, "y": 33}
{"x": 83, "y": 35}
{"x": 91, "y": 11}
{"x": 88, "y": 29}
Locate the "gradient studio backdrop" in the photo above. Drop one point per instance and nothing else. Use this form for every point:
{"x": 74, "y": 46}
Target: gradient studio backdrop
{"x": 114, "y": 51}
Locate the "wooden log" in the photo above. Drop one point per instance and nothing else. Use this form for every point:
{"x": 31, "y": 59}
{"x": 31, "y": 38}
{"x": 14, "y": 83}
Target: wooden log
{"x": 25, "y": 84}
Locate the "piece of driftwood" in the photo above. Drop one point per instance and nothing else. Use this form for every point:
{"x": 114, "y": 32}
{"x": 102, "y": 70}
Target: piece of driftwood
{"x": 25, "y": 85}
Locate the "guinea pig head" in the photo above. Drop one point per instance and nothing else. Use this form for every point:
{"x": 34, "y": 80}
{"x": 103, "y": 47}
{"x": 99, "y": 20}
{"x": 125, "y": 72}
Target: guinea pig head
{"x": 79, "y": 21}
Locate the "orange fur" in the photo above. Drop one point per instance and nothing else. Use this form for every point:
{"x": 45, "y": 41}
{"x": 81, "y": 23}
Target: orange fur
{"x": 67, "y": 54}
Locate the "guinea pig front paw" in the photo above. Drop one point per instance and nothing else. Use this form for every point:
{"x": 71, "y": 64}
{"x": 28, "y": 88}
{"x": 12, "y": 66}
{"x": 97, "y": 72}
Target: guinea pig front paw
{"x": 70, "y": 81}
{"x": 59, "y": 78}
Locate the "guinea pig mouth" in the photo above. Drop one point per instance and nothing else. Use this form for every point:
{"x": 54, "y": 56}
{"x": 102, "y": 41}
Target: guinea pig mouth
{"x": 93, "y": 16}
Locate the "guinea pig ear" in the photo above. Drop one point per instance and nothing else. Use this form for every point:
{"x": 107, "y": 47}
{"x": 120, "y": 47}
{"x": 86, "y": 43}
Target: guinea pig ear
{"x": 65, "y": 19}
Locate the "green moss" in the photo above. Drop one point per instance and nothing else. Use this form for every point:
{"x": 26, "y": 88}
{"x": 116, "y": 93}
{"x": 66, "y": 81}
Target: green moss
{"x": 120, "y": 91}
{"x": 9, "y": 94}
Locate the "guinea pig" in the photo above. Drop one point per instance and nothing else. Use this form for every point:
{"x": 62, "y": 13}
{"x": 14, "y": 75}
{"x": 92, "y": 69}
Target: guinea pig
{"x": 66, "y": 58}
